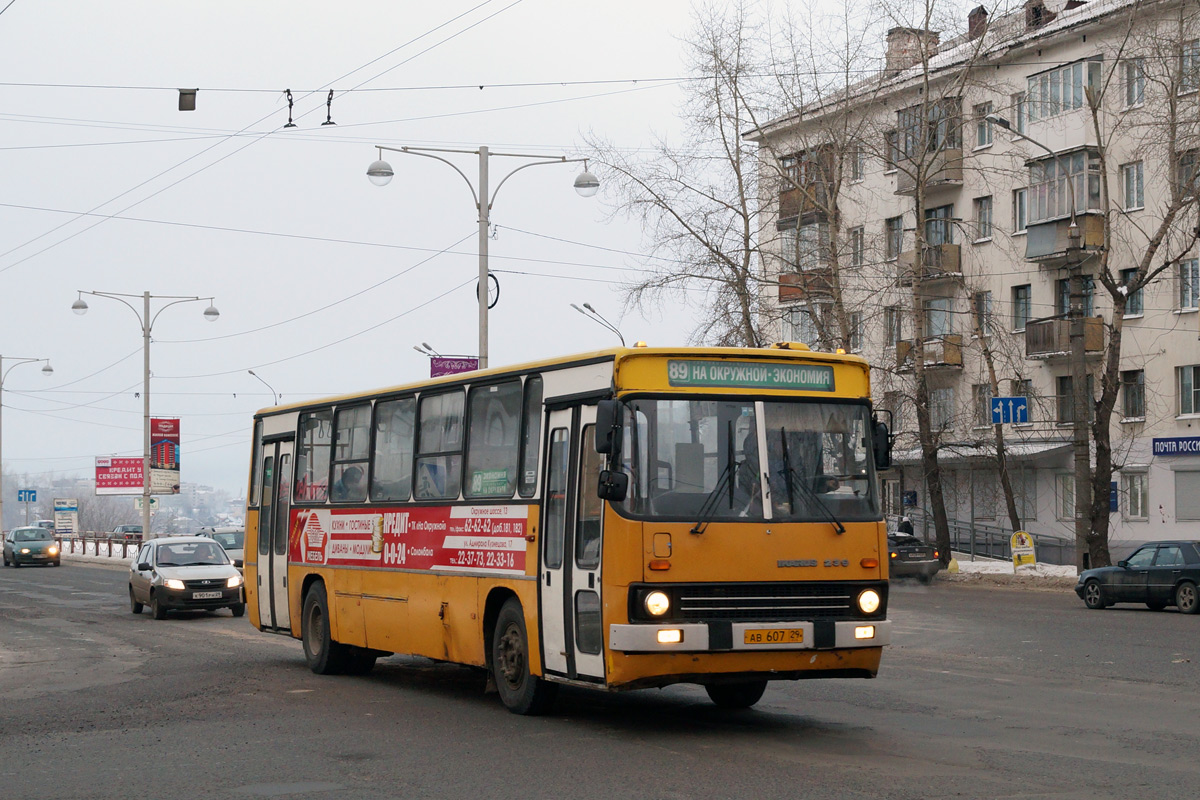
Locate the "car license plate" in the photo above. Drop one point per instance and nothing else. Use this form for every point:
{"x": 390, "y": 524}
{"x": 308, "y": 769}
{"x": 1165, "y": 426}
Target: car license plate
{"x": 774, "y": 636}
{"x": 914, "y": 556}
{"x": 40, "y": 555}
{"x": 206, "y": 595}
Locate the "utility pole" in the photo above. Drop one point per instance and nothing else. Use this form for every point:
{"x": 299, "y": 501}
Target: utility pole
{"x": 1081, "y": 399}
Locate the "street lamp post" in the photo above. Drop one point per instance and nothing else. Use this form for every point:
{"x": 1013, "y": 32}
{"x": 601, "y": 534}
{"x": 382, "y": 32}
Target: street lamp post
{"x": 274, "y": 394}
{"x": 47, "y": 371}
{"x": 595, "y": 316}
{"x": 380, "y": 172}
{"x": 1080, "y": 440}
{"x": 146, "y": 321}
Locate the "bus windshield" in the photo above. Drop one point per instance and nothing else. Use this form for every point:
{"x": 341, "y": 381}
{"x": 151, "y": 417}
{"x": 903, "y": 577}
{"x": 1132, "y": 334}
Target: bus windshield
{"x": 693, "y": 457}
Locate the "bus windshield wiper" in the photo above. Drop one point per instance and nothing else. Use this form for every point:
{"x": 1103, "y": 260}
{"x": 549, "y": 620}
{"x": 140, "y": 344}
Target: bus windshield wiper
{"x": 794, "y": 481}
{"x": 708, "y": 509}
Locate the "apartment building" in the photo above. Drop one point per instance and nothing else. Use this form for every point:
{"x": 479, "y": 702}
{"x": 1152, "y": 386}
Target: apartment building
{"x": 989, "y": 139}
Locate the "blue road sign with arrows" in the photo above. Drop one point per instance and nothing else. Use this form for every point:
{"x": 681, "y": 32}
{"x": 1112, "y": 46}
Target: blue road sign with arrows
{"x": 1010, "y": 409}
{"x": 26, "y": 495}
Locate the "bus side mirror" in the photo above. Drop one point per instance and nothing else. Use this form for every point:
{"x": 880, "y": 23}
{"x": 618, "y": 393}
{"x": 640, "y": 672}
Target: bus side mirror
{"x": 883, "y": 446}
{"x": 614, "y": 485}
{"x": 609, "y": 422}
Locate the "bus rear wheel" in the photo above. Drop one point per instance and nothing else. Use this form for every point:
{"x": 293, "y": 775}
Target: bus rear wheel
{"x": 520, "y": 692}
{"x": 736, "y": 695}
{"x": 324, "y": 656}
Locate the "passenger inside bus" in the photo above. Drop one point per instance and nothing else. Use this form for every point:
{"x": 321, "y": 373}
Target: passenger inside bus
{"x": 350, "y": 486}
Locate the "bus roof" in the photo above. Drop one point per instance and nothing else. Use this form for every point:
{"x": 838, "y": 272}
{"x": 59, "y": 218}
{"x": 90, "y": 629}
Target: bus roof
{"x": 792, "y": 350}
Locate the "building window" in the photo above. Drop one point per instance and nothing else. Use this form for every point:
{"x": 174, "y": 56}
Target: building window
{"x": 1133, "y": 73}
{"x": 1189, "y": 67}
{"x": 1136, "y": 488}
{"x": 938, "y": 321}
{"x": 891, "y": 150}
{"x": 806, "y": 247}
{"x": 891, "y": 325}
{"x": 800, "y": 326}
{"x": 1066, "y": 399}
{"x": 1049, "y": 193}
{"x": 939, "y": 225}
{"x": 858, "y": 161}
{"x": 856, "y": 321}
{"x": 894, "y": 236}
{"x": 941, "y": 408}
{"x": 858, "y": 246}
{"x": 1186, "y": 173}
{"x": 1018, "y": 106}
{"x": 1064, "y": 485}
{"x": 982, "y": 394}
{"x": 1020, "y": 209}
{"x": 1133, "y": 300}
{"x": 1131, "y": 182}
{"x": 1189, "y": 284}
{"x": 1133, "y": 394}
{"x": 929, "y": 127}
{"x": 983, "y": 218}
{"x": 981, "y": 306}
{"x": 1062, "y": 299}
{"x": 1189, "y": 389}
{"x": 1060, "y": 90}
{"x": 983, "y": 125}
{"x": 1020, "y": 306}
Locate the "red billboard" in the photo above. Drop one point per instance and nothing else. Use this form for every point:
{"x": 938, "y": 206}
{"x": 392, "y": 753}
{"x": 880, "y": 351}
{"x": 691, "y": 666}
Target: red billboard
{"x": 118, "y": 476}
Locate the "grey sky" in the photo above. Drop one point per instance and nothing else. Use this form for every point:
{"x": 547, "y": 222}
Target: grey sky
{"x": 129, "y": 152}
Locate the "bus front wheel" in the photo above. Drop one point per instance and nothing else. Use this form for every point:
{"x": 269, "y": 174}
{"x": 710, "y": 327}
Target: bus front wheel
{"x": 324, "y": 656}
{"x": 736, "y": 695}
{"x": 520, "y": 692}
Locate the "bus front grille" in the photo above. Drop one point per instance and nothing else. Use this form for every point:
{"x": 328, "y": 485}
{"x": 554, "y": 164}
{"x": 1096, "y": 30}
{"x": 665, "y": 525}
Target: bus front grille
{"x": 780, "y": 602}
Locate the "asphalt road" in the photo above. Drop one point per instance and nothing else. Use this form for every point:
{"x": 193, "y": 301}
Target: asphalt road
{"x": 986, "y": 693}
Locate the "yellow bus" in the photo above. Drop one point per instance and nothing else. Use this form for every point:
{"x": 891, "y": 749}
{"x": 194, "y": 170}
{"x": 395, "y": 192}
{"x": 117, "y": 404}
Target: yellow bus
{"x": 603, "y": 520}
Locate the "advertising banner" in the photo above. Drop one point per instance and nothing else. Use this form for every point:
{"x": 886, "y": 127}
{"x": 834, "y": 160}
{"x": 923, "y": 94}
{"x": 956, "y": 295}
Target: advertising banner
{"x": 1023, "y": 552}
{"x": 164, "y": 456}
{"x": 487, "y": 539}
{"x": 118, "y": 476}
{"x": 444, "y": 365}
{"x": 66, "y": 516}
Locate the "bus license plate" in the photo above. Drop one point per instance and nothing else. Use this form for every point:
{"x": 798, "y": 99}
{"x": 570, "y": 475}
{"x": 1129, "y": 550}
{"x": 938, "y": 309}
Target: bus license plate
{"x": 774, "y": 636}
{"x": 206, "y": 595}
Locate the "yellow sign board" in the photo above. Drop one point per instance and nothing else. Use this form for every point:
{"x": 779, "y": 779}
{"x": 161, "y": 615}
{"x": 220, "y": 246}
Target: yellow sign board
{"x": 1023, "y": 553}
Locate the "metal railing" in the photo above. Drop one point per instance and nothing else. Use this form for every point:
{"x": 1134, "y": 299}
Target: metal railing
{"x": 98, "y": 545}
{"x": 991, "y": 541}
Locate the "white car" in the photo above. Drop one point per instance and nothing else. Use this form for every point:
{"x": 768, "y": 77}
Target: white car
{"x": 184, "y": 573}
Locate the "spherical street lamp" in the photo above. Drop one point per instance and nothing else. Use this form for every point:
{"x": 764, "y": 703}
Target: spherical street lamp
{"x": 587, "y": 184}
{"x": 380, "y": 173}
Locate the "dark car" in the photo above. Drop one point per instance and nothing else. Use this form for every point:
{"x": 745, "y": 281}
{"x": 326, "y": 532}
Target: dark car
{"x": 31, "y": 545}
{"x": 909, "y": 557}
{"x": 1159, "y": 574}
{"x": 127, "y": 532}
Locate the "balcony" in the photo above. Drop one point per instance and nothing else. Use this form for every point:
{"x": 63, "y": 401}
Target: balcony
{"x": 800, "y": 202}
{"x": 1046, "y": 242}
{"x": 798, "y": 286}
{"x": 940, "y": 352}
{"x": 939, "y": 262}
{"x": 944, "y": 170}
{"x": 1051, "y": 338}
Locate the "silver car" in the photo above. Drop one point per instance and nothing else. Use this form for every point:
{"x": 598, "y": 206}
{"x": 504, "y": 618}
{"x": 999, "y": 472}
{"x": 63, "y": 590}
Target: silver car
{"x": 184, "y": 573}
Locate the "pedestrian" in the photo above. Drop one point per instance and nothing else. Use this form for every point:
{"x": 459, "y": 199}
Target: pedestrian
{"x": 905, "y": 526}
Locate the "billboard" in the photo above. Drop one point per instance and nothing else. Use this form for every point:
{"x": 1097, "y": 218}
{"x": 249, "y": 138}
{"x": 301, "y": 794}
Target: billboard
{"x": 164, "y": 456}
{"x": 446, "y": 365}
{"x": 118, "y": 475}
{"x": 66, "y": 516}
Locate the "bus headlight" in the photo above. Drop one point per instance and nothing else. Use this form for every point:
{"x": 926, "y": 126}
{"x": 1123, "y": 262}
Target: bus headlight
{"x": 657, "y": 604}
{"x": 868, "y": 601}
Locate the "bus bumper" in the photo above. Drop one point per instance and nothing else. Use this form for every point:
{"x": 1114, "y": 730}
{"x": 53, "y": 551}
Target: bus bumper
{"x": 716, "y": 637}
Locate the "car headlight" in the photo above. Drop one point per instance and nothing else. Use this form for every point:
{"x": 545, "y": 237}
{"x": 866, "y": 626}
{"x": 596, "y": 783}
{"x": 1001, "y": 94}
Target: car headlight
{"x": 53, "y": 551}
{"x": 173, "y": 583}
{"x": 868, "y": 601}
{"x": 657, "y": 603}
{"x": 24, "y": 551}
{"x": 235, "y": 581}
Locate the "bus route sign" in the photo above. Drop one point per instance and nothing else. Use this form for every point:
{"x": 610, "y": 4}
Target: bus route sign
{"x": 750, "y": 375}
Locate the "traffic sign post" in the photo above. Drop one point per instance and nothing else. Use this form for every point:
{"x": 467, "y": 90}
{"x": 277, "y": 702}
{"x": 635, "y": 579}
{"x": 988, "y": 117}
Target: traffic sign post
{"x": 1010, "y": 410}
{"x": 26, "y": 496}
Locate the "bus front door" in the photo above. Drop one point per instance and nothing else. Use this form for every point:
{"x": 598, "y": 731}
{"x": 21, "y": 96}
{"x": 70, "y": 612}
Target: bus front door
{"x": 572, "y": 631}
{"x": 273, "y": 536}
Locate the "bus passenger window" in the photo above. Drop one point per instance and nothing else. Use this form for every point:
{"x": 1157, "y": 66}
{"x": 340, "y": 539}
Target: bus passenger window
{"x": 531, "y": 429}
{"x": 391, "y": 467}
{"x": 312, "y": 461}
{"x": 351, "y": 446}
{"x": 555, "y": 525}
{"x": 587, "y": 531}
{"x": 493, "y": 437}
{"x": 439, "y": 446}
